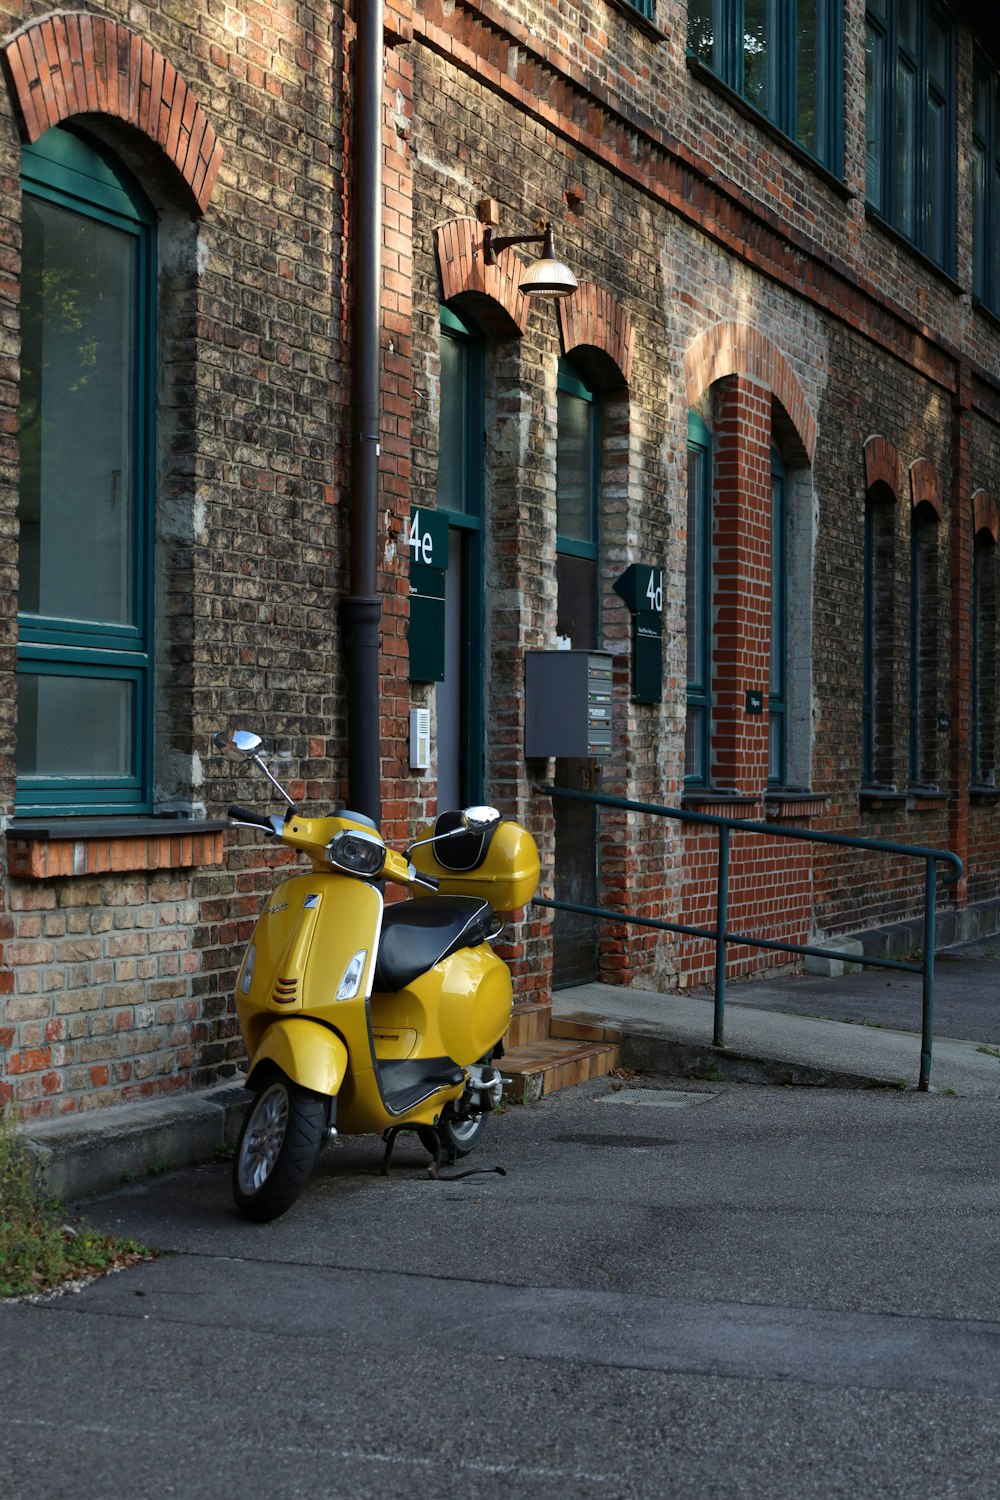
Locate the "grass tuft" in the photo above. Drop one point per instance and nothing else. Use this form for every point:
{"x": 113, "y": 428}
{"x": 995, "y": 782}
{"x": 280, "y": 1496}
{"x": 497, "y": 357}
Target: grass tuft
{"x": 39, "y": 1249}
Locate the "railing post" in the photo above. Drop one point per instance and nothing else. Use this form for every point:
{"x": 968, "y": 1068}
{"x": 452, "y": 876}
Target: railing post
{"x": 930, "y": 938}
{"x": 721, "y": 922}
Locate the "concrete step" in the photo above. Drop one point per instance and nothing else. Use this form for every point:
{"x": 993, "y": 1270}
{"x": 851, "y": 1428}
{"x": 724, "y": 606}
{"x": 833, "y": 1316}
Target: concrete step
{"x": 528, "y": 1024}
{"x": 572, "y": 1053}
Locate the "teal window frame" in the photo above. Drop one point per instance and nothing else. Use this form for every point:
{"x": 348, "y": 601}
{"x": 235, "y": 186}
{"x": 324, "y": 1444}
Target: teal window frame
{"x": 464, "y": 514}
{"x": 76, "y": 173}
{"x": 986, "y": 184}
{"x": 720, "y": 34}
{"x": 982, "y": 739}
{"x": 923, "y": 563}
{"x": 777, "y": 695}
{"x": 572, "y": 384}
{"x": 876, "y": 628}
{"x": 868, "y": 650}
{"x": 910, "y": 125}
{"x": 698, "y": 735}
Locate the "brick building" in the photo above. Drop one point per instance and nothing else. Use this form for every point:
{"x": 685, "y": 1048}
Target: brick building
{"x": 775, "y": 391}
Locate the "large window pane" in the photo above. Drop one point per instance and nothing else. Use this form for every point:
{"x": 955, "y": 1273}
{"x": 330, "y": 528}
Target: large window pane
{"x": 874, "y": 114}
{"x": 906, "y": 147}
{"x": 451, "y": 487}
{"x": 702, "y": 35}
{"x": 75, "y": 726}
{"x": 758, "y": 50}
{"x": 810, "y": 90}
{"x": 575, "y": 476}
{"x": 77, "y": 419}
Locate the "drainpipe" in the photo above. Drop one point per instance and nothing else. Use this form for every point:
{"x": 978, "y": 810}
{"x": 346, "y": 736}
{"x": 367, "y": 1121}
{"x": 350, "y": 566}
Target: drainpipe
{"x": 363, "y": 607}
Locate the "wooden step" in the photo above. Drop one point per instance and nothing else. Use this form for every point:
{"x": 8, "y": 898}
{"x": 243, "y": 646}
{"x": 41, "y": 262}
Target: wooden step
{"x": 528, "y": 1024}
{"x": 573, "y": 1053}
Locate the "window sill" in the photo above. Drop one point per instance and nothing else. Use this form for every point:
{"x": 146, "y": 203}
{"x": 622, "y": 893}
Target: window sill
{"x": 873, "y": 216}
{"x": 639, "y": 21}
{"x": 875, "y": 798}
{"x": 50, "y": 849}
{"x": 986, "y": 311}
{"x": 711, "y": 79}
{"x": 783, "y": 802}
{"x": 980, "y": 792}
{"x": 925, "y": 798}
{"x": 704, "y": 798}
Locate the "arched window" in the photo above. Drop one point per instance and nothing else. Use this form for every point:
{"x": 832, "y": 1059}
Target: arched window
{"x": 86, "y": 482}
{"x": 577, "y": 467}
{"x": 984, "y": 661}
{"x": 878, "y": 622}
{"x": 777, "y": 697}
{"x": 459, "y": 697}
{"x": 698, "y": 733}
{"x": 923, "y": 725}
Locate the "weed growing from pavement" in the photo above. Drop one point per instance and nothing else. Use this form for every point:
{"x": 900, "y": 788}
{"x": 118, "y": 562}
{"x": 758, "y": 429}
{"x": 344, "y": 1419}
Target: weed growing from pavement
{"x": 39, "y": 1250}
{"x": 990, "y": 1051}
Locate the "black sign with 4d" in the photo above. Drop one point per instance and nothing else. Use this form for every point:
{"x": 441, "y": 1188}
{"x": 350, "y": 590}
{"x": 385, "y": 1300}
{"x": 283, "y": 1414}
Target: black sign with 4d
{"x": 641, "y": 587}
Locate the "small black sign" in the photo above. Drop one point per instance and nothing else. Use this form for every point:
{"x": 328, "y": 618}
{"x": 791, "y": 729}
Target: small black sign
{"x": 755, "y": 701}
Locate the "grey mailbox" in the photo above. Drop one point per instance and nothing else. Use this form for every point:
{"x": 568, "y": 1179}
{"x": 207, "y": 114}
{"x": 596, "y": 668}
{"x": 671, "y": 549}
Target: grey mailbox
{"x": 567, "y": 704}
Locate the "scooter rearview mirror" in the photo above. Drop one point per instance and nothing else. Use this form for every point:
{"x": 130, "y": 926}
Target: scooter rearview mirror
{"x": 237, "y": 744}
{"x": 478, "y": 819}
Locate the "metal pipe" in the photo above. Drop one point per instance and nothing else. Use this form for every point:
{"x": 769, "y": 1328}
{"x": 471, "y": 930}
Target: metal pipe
{"x": 362, "y": 608}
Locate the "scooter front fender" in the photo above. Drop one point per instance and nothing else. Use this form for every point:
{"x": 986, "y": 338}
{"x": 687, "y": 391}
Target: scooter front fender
{"x": 310, "y": 1055}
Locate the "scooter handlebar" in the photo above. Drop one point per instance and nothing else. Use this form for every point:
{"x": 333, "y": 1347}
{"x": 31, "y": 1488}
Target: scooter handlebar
{"x": 246, "y": 815}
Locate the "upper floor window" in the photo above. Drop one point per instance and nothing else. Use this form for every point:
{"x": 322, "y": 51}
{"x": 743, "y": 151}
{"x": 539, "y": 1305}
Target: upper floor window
{"x": 784, "y": 57}
{"x": 986, "y": 185}
{"x": 84, "y": 656}
{"x": 910, "y": 122}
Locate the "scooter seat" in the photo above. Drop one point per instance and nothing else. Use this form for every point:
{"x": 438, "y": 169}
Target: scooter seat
{"x": 418, "y": 934}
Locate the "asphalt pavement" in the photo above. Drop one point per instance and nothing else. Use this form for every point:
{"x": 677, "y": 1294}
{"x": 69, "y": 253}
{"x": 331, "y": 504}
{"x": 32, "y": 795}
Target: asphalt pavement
{"x": 677, "y": 1289}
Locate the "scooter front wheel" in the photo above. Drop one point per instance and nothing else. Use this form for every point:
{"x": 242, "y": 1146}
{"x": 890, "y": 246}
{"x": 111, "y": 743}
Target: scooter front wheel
{"x": 277, "y": 1149}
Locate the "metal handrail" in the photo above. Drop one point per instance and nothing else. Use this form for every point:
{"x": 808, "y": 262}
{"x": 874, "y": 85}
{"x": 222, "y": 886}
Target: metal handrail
{"x": 721, "y": 935}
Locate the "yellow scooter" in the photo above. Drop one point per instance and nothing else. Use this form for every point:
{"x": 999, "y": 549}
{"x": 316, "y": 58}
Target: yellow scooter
{"x": 366, "y": 1017}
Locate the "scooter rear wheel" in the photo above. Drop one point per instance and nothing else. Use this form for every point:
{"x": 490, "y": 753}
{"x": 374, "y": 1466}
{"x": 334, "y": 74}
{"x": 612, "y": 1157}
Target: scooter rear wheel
{"x": 460, "y": 1133}
{"x": 277, "y": 1149}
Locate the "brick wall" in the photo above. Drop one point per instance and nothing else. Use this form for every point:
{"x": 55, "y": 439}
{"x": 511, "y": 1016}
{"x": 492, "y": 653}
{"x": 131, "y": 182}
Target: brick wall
{"x": 118, "y": 967}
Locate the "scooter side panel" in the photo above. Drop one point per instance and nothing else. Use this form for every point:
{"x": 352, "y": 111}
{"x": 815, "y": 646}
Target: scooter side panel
{"x": 309, "y": 1054}
{"x": 458, "y": 1009}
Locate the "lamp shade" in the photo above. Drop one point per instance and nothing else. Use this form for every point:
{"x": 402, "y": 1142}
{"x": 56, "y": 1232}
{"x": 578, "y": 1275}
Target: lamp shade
{"x": 547, "y": 277}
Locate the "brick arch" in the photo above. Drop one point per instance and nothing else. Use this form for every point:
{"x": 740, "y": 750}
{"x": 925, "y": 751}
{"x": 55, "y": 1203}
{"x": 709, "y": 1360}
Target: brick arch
{"x": 489, "y": 292}
{"x": 985, "y": 514}
{"x": 925, "y": 487}
{"x": 75, "y": 63}
{"x": 882, "y": 464}
{"x": 592, "y": 320}
{"x": 737, "y": 349}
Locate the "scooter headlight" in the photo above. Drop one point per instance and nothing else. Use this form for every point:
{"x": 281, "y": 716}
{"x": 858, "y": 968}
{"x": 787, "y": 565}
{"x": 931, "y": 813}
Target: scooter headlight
{"x": 356, "y": 852}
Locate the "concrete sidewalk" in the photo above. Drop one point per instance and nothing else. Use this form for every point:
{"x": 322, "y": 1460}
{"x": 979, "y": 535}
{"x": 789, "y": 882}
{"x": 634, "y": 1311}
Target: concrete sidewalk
{"x": 672, "y": 1033}
{"x": 767, "y": 1040}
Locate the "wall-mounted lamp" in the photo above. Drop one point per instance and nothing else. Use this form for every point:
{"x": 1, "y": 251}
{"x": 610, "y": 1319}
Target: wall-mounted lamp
{"x": 546, "y": 276}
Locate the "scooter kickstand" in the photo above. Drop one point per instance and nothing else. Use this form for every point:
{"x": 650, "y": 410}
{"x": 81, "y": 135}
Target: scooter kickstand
{"x": 390, "y": 1141}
